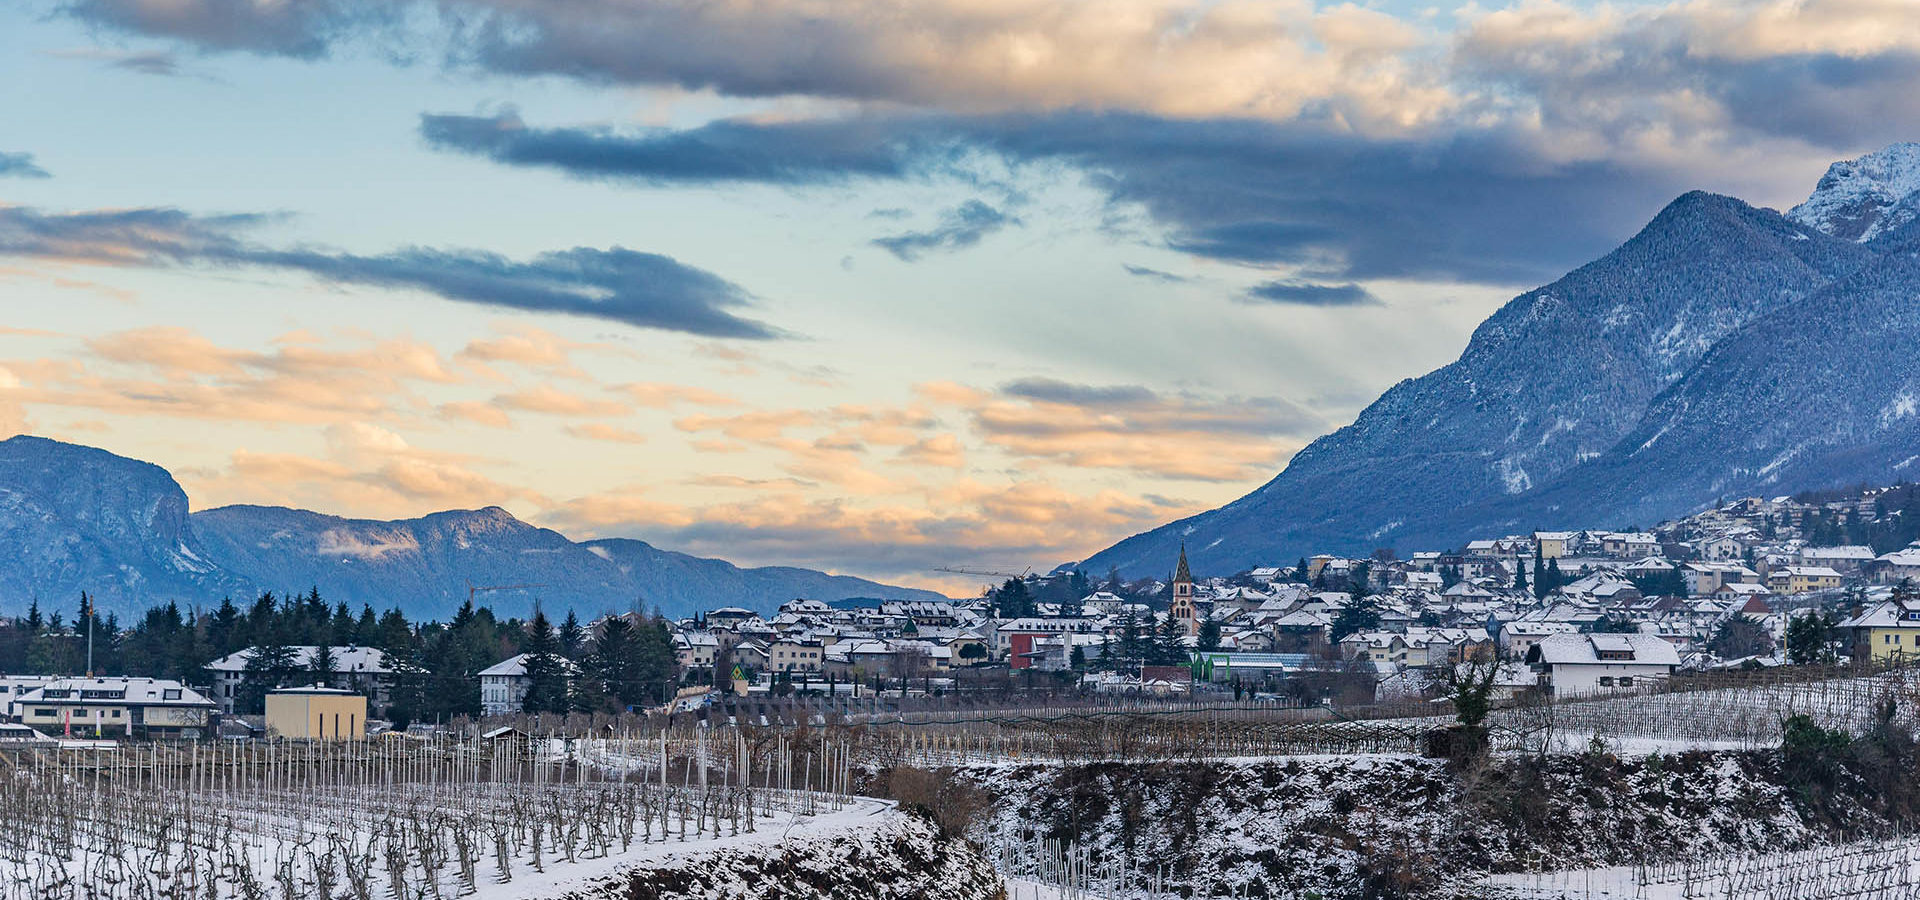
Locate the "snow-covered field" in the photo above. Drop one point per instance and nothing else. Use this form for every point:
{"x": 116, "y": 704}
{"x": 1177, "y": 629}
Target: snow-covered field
{"x": 427, "y": 822}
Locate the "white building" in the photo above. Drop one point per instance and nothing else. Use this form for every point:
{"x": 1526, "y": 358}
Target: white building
{"x": 504, "y": 685}
{"x": 1587, "y": 664}
{"x": 12, "y": 686}
{"x": 362, "y": 670}
{"x": 116, "y": 707}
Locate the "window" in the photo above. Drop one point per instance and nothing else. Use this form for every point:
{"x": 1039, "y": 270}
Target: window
{"x": 1626, "y": 681}
{"x": 170, "y": 694}
{"x": 116, "y": 714}
{"x": 47, "y": 713}
{"x": 1606, "y": 681}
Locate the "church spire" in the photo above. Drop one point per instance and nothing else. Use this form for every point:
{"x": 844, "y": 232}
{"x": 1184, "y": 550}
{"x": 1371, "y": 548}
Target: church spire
{"x": 1181, "y": 572}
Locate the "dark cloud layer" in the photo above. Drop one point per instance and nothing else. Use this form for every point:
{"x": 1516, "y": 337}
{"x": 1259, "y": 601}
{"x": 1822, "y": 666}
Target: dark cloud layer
{"x": 305, "y": 29}
{"x": 962, "y": 226}
{"x": 1473, "y": 208}
{"x": 1049, "y": 390}
{"x": 725, "y": 150}
{"x": 1302, "y": 293}
{"x": 20, "y": 165}
{"x": 646, "y": 290}
{"x": 1467, "y": 190}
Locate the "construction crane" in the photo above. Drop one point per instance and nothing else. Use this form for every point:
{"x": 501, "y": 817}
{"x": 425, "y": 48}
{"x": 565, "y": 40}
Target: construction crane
{"x": 983, "y": 573}
{"x": 473, "y": 589}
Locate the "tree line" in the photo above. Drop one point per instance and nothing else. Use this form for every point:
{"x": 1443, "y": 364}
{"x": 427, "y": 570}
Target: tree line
{"x": 630, "y": 662}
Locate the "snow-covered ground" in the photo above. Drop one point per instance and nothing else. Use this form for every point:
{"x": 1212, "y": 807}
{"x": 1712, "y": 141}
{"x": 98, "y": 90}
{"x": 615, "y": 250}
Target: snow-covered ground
{"x": 594, "y": 876}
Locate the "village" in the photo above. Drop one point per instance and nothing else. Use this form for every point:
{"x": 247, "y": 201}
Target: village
{"x": 1756, "y": 583}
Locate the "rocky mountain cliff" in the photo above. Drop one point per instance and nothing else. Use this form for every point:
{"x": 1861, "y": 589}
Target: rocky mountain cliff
{"x": 1723, "y": 350}
{"x": 75, "y": 518}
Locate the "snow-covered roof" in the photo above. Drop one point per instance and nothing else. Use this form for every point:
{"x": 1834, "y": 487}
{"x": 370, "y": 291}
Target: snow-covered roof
{"x": 116, "y": 692}
{"x": 516, "y": 667}
{"x": 1588, "y": 649}
{"x": 345, "y": 660}
{"x": 1848, "y": 552}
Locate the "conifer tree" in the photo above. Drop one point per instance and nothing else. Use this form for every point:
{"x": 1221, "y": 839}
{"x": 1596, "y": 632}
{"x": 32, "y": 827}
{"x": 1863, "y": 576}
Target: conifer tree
{"x": 546, "y": 675}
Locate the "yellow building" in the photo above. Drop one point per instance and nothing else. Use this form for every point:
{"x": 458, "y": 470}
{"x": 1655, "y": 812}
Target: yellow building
{"x": 317, "y": 713}
{"x": 1803, "y": 579}
{"x": 1885, "y": 633}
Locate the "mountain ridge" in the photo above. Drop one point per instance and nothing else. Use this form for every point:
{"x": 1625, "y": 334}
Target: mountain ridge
{"x": 82, "y": 518}
{"x": 1535, "y": 423}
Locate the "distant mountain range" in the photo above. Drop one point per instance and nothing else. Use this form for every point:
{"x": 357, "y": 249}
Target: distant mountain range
{"x": 1723, "y": 351}
{"x": 76, "y": 518}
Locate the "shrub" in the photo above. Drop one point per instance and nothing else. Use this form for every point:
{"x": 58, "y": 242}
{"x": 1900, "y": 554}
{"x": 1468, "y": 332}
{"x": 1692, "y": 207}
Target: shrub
{"x": 947, "y": 800}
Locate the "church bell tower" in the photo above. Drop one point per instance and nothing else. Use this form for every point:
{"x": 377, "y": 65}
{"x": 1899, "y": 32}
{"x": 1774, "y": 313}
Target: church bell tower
{"x": 1182, "y": 609}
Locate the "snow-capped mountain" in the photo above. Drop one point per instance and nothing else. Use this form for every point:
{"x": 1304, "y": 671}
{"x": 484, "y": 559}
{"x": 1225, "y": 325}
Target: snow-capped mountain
{"x": 1862, "y": 199}
{"x": 76, "y": 518}
{"x": 1722, "y": 351}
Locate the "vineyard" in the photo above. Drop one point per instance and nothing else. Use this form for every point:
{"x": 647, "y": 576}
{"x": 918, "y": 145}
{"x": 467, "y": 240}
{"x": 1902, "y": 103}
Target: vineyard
{"x": 396, "y": 819}
{"x": 1884, "y": 869}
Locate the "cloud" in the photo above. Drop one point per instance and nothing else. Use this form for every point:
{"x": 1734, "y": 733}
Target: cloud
{"x": 1300, "y": 293}
{"x": 597, "y": 431}
{"x": 644, "y": 290}
{"x": 1050, "y": 390}
{"x": 960, "y": 227}
{"x": 1155, "y": 275}
{"x": 1047, "y": 422}
{"x": 144, "y": 62}
{"x": 1480, "y": 203}
{"x": 1255, "y": 57}
{"x": 370, "y": 470}
{"x": 654, "y": 395}
{"x": 965, "y": 520}
{"x": 306, "y": 30}
{"x": 549, "y": 400}
{"x": 725, "y": 150}
{"x": 177, "y": 373}
{"x": 20, "y": 165}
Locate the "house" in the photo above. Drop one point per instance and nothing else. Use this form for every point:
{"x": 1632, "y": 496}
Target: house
{"x": 1720, "y": 548}
{"x": 1707, "y": 577}
{"x": 795, "y": 655}
{"x": 1886, "y": 631}
{"x": 1847, "y": 560}
{"x": 1016, "y": 636}
{"x": 1629, "y": 545}
{"x": 12, "y": 686}
{"x": 318, "y": 713}
{"x": 695, "y": 649}
{"x": 1552, "y": 544}
{"x": 1898, "y": 566}
{"x": 362, "y": 670}
{"x": 1516, "y": 638}
{"x": 1740, "y": 593}
{"x": 117, "y": 707}
{"x": 1572, "y": 665}
{"x": 1803, "y": 579}
{"x": 504, "y": 685}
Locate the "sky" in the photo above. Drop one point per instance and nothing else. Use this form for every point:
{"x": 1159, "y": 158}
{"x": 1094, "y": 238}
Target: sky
{"x": 873, "y": 287}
